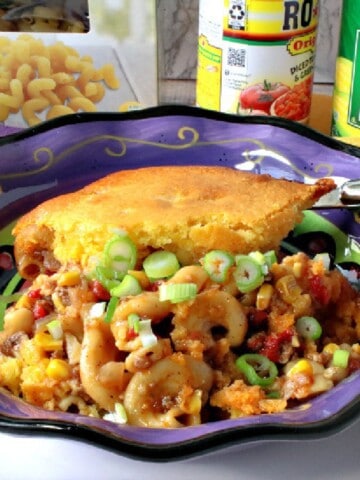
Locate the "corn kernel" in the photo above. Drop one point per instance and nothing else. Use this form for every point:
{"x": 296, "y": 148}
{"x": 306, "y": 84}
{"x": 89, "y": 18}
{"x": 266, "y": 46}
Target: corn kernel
{"x": 59, "y": 306}
{"x": 330, "y": 348}
{"x": 141, "y": 277}
{"x": 30, "y": 353}
{"x": 288, "y": 288}
{"x": 301, "y": 366}
{"x": 317, "y": 268}
{"x": 33, "y": 375}
{"x": 302, "y": 305}
{"x": 295, "y": 342}
{"x": 24, "y": 302}
{"x": 264, "y": 295}
{"x": 47, "y": 342}
{"x": 298, "y": 269}
{"x": 69, "y": 279}
{"x": 58, "y": 369}
{"x": 10, "y": 372}
{"x": 194, "y": 405}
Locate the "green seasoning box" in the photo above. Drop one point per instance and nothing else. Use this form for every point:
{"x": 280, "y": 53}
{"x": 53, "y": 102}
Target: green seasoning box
{"x": 346, "y": 98}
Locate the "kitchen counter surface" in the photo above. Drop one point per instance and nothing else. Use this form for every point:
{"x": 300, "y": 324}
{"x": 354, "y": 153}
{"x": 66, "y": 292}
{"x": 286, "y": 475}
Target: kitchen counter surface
{"x": 36, "y": 458}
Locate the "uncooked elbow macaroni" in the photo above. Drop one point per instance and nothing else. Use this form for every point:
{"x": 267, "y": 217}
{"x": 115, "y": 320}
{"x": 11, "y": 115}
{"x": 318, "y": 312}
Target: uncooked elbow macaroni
{"x": 45, "y": 81}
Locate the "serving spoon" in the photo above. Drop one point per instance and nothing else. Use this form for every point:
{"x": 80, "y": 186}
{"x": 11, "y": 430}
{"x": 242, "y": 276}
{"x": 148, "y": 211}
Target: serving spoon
{"x": 346, "y": 195}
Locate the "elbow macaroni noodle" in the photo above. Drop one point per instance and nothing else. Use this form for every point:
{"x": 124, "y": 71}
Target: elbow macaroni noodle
{"x": 188, "y": 375}
{"x": 39, "y": 80}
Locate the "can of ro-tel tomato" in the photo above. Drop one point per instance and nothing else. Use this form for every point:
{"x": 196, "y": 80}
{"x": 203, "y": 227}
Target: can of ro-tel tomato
{"x": 257, "y": 56}
{"x": 346, "y": 95}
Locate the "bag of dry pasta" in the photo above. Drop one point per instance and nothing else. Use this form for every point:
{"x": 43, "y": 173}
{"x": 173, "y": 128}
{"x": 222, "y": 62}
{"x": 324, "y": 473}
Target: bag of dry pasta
{"x": 60, "y": 57}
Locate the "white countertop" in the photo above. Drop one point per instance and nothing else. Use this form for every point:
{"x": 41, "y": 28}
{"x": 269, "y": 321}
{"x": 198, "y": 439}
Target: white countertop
{"x": 37, "y": 458}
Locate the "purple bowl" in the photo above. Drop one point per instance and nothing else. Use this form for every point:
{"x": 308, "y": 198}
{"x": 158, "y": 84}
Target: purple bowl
{"x": 64, "y": 154}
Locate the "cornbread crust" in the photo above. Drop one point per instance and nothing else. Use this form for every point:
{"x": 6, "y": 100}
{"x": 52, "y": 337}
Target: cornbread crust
{"x": 185, "y": 209}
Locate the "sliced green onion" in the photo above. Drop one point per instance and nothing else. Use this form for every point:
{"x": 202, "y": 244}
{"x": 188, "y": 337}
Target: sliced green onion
{"x": 177, "y": 292}
{"x": 128, "y": 286}
{"x": 7, "y": 298}
{"x": 273, "y": 394}
{"x": 341, "y": 358}
{"x": 308, "y": 327}
{"x": 217, "y": 263}
{"x": 120, "y": 412}
{"x": 111, "y": 307}
{"x": 147, "y": 337}
{"x": 109, "y": 273}
{"x": 134, "y": 322}
{"x": 10, "y": 298}
{"x": 120, "y": 254}
{"x": 248, "y": 273}
{"x": 258, "y": 369}
{"x": 118, "y": 416}
{"x": 260, "y": 259}
{"x": 270, "y": 258}
{"x": 161, "y": 264}
{"x": 55, "y": 329}
{"x": 106, "y": 277}
{"x": 266, "y": 260}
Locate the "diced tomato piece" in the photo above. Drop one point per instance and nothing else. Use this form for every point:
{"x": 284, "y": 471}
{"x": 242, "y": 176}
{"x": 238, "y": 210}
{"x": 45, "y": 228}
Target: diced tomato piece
{"x": 318, "y": 290}
{"x": 39, "y": 311}
{"x": 100, "y": 291}
{"x": 154, "y": 286}
{"x": 273, "y": 344}
{"x": 258, "y": 317}
{"x": 131, "y": 334}
{"x": 34, "y": 294}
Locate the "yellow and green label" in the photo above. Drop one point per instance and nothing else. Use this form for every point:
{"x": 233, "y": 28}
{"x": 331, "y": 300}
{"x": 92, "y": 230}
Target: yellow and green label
{"x": 251, "y": 52}
{"x": 346, "y": 98}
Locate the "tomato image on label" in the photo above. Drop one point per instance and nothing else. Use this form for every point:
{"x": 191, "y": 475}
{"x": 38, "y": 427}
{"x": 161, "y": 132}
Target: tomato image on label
{"x": 261, "y": 95}
{"x": 294, "y": 104}
{"x": 265, "y": 50}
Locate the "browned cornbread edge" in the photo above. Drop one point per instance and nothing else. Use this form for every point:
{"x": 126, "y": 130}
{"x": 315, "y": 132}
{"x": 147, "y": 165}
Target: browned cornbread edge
{"x": 186, "y": 209}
